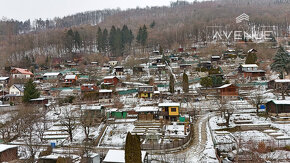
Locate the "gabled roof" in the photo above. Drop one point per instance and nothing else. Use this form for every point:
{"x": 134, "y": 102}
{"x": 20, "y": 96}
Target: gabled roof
{"x": 118, "y": 156}
{"x": 249, "y": 65}
{"x": 224, "y": 86}
{"x": 281, "y": 102}
{"x": 109, "y": 77}
{"x": 282, "y": 80}
{"x": 20, "y": 87}
{"x": 105, "y": 90}
{"x": 4, "y": 147}
{"x": 70, "y": 77}
{"x": 168, "y": 104}
{"x": 24, "y": 71}
{"x": 3, "y": 78}
{"x": 51, "y": 74}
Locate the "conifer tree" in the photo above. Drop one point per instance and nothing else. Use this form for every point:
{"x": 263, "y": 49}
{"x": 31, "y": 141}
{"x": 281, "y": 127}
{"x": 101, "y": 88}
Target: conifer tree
{"x": 171, "y": 84}
{"x": 251, "y": 58}
{"x": 105, "y": 39}
{"x": 281, "y": 62}
{"x": 100, "y": 39}
{"x": 206, "y": 82}
{"x": 30, "y": 91}
{"x": 77, "y": 39}
{"x": 185, "y": 85}
{"x": 69, "y": 40}
{"x": 132, "y": 149}
{"x": 144, "y": 35}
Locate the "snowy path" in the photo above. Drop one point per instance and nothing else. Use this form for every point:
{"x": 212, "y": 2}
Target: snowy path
{"x": 196, "y": 151}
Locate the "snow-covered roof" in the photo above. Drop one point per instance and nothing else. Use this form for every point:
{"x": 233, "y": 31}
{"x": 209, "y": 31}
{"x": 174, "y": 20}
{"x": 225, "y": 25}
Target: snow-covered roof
{"x": 287, "y": 102}
{"x": 249, "y": 65}
{"x": 146, "y": 109}
{"x": 118, "y": 156}
{"x": 3, "y": 78}
{"x": 4, "y": 147}
{"x": 38, "y": 99}
{"x": 51, "y": 74}
{"x": 105, "y": 90}
{"x": 252, "y": 50}
{"x": 91, "y": 107}
{"x": 282, "y": 80}
{"x": 88, "y": 84}
{"x": 109, "y": 77}
{"x": 254, "y": 71}
{"x": 119, "y": 67}
{"x": 224, "y": 86}
{"x": 145, "y": 86}
{"x": 70, "y": 77}
{"x": 168, "y": 104}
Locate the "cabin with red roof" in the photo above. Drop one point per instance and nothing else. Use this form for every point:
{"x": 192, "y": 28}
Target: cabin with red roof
{"x": 21, "y": 73}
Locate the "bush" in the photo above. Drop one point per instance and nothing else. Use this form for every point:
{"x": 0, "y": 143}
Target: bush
{"x": 47, "y": 152}
{"x": 287, "y": 147}
{"x": 261, "y": 147}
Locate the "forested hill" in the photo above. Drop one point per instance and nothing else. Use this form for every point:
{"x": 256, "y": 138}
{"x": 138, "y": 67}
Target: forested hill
{"x": 179, "y": 24}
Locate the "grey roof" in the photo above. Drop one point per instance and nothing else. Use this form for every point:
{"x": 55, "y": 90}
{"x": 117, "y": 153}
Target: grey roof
{"x": 20, "y": 87}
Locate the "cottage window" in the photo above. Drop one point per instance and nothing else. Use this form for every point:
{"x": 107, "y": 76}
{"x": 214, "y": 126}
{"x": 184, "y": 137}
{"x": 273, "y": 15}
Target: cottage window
{"x": 173, "y": 109}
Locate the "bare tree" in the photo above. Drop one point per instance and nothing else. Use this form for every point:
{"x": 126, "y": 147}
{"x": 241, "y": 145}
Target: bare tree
{"x": 68, "y": 120}
{"x": 257, "y": 99}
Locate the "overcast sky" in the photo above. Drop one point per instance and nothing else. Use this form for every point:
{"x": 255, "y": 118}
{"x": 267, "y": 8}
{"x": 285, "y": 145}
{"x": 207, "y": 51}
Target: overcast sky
{"x": 32, "y": 9}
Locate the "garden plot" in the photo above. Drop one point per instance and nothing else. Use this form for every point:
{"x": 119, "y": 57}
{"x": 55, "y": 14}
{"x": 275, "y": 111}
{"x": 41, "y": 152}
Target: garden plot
{"x": 175, "y": 131}
{"x": 115, "y": 134}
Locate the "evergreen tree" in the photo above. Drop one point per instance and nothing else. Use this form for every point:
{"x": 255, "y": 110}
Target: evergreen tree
{"x": 185, "y": 85}
{"x": 69, "y": 40}
{"x": 105, "y": 39}
{"x": 30, "y": 91}
{"x": 281, "y": 62}
{"x": 206, "y": 82}
{"x": 100, "y": 39}
{"x": 132, "y": 149}
{"x": 144, "y": 35}
{"x": 152, "y": 25}
{"x": 217, "y": 81}
{"x": 171, "y": 84}
{"x": 77, "y": 39}
{"x": 125, "y": 35}
{"x": 118, "y": 46}
{"x": 131, "y": 38}
{"x": 251, "y": 58}
{"x": 139, "y": 36}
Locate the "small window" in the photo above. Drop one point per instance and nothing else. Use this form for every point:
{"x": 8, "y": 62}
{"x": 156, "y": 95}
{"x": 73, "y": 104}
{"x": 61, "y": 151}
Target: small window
{"x": 173, "y": 109}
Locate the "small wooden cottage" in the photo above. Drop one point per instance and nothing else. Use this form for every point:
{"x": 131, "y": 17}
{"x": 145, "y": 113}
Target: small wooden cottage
{"x": 228, "y": 90}
{"x": 111, "y": 80}
{"x": 251, "y": 70}
{"x": 278, "y": 106}
{"x": 8, "y": 152}
{"x": 145, "y": 91}
{"x": 169, "y": 111}
{"x": 70, "y": 80}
